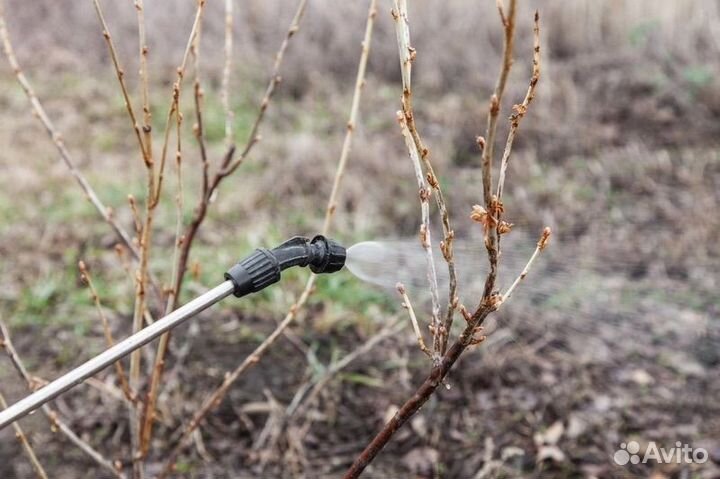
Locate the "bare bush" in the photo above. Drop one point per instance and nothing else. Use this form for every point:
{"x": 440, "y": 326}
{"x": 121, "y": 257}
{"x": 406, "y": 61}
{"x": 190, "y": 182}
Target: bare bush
{"x": 489, "y": 217}
{"x": 150, "y": 294}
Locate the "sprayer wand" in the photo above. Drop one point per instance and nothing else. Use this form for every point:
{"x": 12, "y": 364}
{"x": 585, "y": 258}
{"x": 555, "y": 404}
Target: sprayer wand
{"x": 254, "y": 273}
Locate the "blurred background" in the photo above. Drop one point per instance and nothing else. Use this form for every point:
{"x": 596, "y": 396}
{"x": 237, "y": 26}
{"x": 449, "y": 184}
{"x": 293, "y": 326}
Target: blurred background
{"x": 614, "y": 337}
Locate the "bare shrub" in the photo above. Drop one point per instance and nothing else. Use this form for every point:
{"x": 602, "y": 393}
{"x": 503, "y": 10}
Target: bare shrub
{"x": 153, "y": 296}
{"x": 488, "y": 216}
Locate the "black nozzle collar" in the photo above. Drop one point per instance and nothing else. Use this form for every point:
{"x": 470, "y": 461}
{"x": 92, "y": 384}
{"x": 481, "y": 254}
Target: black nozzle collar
{"x": 262, "y": 268}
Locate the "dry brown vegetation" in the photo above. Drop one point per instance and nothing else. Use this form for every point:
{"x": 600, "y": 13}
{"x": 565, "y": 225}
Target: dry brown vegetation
{"x": 613, "y": 338}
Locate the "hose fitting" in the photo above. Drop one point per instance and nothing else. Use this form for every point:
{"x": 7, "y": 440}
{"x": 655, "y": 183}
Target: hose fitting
{"x": 263, "y": 267}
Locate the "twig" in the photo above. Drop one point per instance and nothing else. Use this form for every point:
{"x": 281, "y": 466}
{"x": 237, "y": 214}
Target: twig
{"x": 154, "y": 187}
{"x": 144, "y": 78}
{"x": 159, "y": 364}
{"x": 425, "y": 240}
{"x": 55, "y": 422}
{"x": 437, "y": 375}
{"x": 420, "y": 396}
{"x": 87, "y": 278}
{"x": 177, "y": 88}
{"x": 520, "y": 110}
{"x": 217, "y": 396}
{"x": 407, "y": 55}
{"x": 57, "y": 140}
{"x": 122, "y": 257}
{"x": 541, "y": 244}
{"x": 229, "y": 167}
{"x": 37, "y": 467}
{"x": 488, "y": 142}
{"x": 135, "y": 215}
{"x": 198, "y": 128}
{"x": 120, "y": 73}
{"x": 227, "y": 67}
{"x": 352, "y": 120}
{"x": 493, "y": 232}
{"x": 413, "y": 319}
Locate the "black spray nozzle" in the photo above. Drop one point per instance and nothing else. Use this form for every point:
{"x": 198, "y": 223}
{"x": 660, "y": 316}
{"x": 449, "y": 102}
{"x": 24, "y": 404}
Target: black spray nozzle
{"x": 262, "y": 268}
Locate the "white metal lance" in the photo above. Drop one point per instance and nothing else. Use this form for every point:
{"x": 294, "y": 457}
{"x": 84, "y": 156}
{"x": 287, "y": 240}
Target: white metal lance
{"x": 256, "y": 272}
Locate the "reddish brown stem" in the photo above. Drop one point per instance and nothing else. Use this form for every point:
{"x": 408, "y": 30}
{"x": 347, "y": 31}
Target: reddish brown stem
{"x": 421, "y": 395}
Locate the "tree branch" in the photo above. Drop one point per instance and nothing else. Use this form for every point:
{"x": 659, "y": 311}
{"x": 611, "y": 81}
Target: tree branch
{"x": 56, "y": 424}
{"x": 85, "y": 276}
{"x": 407, "y": 55}
{"x": 57, "y": 140}
{"x": 27, "y": 448}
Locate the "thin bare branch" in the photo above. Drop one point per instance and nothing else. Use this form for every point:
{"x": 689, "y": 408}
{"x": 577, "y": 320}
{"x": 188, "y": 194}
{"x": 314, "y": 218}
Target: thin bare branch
{"x": 541, "y": 244}
{"x": 216, "y": 397}
{"x": 57, "y": 140}
{"x": 56, "y": 424}
{"x": 27, "y": 448}
{"x": 154, "y": 188}
{"x": 159, "y": 365}
{"x": 208, "y": 191}
{"x": 520, "y": 110}
{"x": 495, "y": 204}
{"x": 144, "y": 79}
{"x": 138, "y": 427}
{"x": 229, "y": 167}
{"x": 413, "y": 319}
{"x": 177, "y": 88}
{"x": 421, "y": 395}
{"x": 227, "y": 68}
{"x": 407, "y": 55}
{"x": 488, "y": 142}
{"x": 199, "y": 128}
{"x": 425, "y": 240}
{"x": 120, "y": 73}
{"x": 135, "y": 215}
{"x": 122, "y": 377}
{"x": 352, "y": 120}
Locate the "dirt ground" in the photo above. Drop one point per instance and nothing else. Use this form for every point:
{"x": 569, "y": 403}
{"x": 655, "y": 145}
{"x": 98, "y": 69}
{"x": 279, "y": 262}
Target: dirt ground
{"x": 614, "y": 338}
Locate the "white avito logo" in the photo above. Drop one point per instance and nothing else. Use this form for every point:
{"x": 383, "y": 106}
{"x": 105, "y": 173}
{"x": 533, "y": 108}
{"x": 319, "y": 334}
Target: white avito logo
{"x": 681, "y": 453}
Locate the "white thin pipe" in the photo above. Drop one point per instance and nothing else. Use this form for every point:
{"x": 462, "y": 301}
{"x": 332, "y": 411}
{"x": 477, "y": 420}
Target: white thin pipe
{"x": 123, "y": 348}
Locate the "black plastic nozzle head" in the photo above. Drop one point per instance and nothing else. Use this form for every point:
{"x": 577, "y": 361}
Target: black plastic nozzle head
{"x": 330, "y": 255}
{"x": 263, "y": 267}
